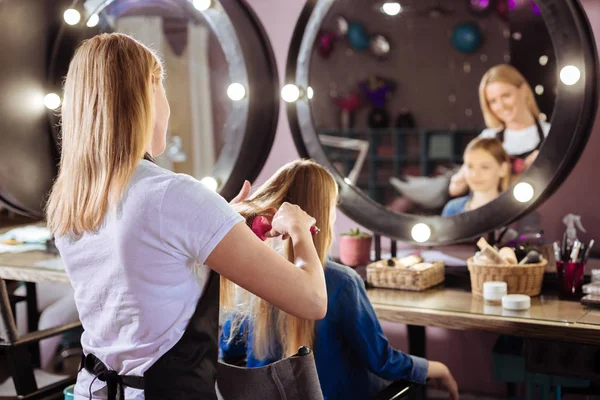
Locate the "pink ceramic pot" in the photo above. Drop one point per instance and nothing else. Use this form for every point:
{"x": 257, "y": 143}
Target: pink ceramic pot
{"x": 355, "y": 251}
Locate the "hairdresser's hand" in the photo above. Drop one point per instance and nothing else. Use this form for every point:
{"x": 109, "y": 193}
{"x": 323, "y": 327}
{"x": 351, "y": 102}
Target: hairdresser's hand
{"x": 531, "y": 158}
{"x": 442, "y": 374}
{"x": 291, "y": 221}
{"x": 244, "y": 192}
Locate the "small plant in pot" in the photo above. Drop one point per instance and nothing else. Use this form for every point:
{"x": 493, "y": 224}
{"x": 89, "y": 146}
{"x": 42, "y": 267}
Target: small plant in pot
{"x": 355, "y": 248}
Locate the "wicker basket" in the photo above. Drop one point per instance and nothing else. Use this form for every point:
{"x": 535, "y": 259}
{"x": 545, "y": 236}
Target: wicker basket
{"x": 520, "y": 279}
{"x": 380, "y": 275}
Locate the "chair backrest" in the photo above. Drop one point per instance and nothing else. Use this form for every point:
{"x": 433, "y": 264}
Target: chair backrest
{"x": 293, "y": 378}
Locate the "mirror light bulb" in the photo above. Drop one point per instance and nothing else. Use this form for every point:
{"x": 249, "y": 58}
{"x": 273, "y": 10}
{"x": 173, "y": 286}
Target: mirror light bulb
{"x": 421, "y": 233}
{"x": 210, "y": 183}
{"x": 543, "y": 60}
{"x": 570, "y": 75}
{"x": 52, "y": 101}
{"x": 236, "y": 91}
{"x": 290, "y": 93}
{"x": 202, "y": 5}
{"x": 93, "y": 21}
{"x": 310, "y": 92}
{"x": 523, "y": 192}
{"x": 72, "y": 16}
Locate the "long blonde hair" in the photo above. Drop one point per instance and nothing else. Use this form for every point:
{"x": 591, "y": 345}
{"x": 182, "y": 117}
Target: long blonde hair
{"x": 107, "y": 124}
{"x": 504, "y": 73}
{"x": 496, "y": 150}
{"x": 313, "y": 188}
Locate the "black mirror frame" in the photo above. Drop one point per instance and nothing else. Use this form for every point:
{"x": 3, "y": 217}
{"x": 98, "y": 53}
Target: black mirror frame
{"x": 252, "y": 122}
{"x": 572, "y": 121}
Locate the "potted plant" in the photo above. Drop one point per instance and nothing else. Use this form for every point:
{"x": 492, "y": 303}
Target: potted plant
{"x": 355, "y": 248}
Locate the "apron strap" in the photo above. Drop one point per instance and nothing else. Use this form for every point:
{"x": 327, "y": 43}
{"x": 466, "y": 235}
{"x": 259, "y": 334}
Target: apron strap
{"x": 115, "y": 383}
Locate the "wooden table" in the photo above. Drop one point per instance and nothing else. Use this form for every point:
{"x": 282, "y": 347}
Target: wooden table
{"x": 28, "y": 267}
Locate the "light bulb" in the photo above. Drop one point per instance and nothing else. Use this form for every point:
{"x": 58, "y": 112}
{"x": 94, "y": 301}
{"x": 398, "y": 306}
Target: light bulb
{"x": 52, "y": 101}
{"x": 421, "y": 233}
{"x": 210, "y": 183}
{"x": 539, "y": 89}
{"x": 72, "y": 16}
{"x": 202, "y": 5}
{"x": 543, "y": 60}
{"x": 570, "y": 75}
{"x": 290, "y": 93}
{"x": 93, "y": 21}
{"x": 310, "y": 92}
{"x": 523, "y": 192}
{"x": 391, "y": 8}
{"x": 236, "y": 91}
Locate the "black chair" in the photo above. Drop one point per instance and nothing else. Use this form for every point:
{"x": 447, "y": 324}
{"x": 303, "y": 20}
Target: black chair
{"x": 19, "y": 351}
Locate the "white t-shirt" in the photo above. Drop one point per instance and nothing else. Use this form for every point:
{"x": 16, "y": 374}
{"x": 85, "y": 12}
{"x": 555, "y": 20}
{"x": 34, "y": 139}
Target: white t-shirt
{"x": 138, "y": 279}
{"x": 519, "y": 141}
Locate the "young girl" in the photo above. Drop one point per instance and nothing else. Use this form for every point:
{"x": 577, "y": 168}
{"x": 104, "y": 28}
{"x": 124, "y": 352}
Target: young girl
{"x": 131, "y": 235}
{"x": 487, "y": 173}
{"x": 349, "y": 344}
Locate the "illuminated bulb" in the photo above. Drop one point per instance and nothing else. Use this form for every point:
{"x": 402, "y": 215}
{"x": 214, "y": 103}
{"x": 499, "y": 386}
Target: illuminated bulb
{"x": 391, "y": 8}
{"x": 72, "y": 16}
{"x": 93, "y": 21}
{"x": 543, "y": 60}
{"x": 539, "y": 89}
{"x": 348, "y": 181}
{"x": 570, "y": 75}
{"x": 52, "y": 101}
{"x": 310, "y": 92}
{"x": 290, "y": 93}
{"x": 421, "y": 233}
{"x": 523, "y": 192}
{"x": 236, "y": 91}
{"x": 210, "y": 183}
{"x": 202, "y": 5}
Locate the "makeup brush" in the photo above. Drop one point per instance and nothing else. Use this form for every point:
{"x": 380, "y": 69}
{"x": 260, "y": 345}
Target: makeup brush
{"x": 260, "y": 225}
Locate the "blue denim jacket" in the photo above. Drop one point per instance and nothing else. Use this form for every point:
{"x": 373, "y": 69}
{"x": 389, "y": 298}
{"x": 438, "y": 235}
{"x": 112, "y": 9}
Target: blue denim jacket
{"x": 456, "y": 206}
{"x": 349, "y": 343}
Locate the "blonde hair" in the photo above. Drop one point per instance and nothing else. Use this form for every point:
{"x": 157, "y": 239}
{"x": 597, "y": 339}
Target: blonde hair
{"x": 107, "y": 124}
{"x": 313, "y": 188}
{"x": 504, "y": 73}
{"x": 494, "y": 147}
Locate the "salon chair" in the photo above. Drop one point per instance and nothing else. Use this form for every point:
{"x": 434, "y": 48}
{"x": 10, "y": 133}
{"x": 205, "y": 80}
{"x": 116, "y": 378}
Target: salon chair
{"x": 293, "y": 378}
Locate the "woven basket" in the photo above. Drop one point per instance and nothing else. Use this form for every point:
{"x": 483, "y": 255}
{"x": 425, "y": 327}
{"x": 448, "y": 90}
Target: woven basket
{"x": 520, "y": 279}
{"x": 380, "y": 275}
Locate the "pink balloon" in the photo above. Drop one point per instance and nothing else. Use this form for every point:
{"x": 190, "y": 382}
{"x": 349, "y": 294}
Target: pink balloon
{"x": 325, "y": 41}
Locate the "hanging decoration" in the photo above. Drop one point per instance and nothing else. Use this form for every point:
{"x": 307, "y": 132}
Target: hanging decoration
{"x": 480, "y": 7}
{"x": 466, "y": 37}
{"x": 348, "y": 105}
{"x": 357, "y": 36}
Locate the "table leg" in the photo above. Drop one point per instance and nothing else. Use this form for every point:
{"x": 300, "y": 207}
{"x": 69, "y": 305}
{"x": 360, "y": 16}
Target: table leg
{"x": 33, "y": 317}
{"x": 416, "y": 347}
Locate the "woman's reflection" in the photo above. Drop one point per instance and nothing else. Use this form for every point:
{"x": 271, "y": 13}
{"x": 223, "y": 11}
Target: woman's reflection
{"x": 487, "y": 173}
{"x": 512, "y": 116}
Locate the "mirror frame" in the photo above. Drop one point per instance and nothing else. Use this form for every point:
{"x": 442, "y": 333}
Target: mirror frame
{"x": 249, "y": 130}
{"x": 574, "y": 111}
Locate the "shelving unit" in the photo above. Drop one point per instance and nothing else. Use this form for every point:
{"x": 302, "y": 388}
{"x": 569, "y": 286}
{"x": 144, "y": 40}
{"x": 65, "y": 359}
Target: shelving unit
{"x": 397, "y": 152}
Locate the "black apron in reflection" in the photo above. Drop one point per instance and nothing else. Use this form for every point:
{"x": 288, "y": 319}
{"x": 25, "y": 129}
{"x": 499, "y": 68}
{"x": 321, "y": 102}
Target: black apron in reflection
{"x": 187, "y": 371}
{"x": 516, "y": 160}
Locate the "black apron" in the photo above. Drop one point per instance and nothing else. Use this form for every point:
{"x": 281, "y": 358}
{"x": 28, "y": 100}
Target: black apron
{"x": 187, "y": 371}
{"x": 522, "y": 156}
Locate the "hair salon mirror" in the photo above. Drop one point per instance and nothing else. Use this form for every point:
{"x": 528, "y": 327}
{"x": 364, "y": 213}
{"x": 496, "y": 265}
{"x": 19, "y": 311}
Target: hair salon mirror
{"x": 222, "y": 84}
{"x": 454, "y": 117}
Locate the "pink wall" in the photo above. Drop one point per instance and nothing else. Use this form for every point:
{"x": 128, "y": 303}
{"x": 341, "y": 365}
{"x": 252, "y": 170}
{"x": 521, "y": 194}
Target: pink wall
{"x": 279, "y": 18}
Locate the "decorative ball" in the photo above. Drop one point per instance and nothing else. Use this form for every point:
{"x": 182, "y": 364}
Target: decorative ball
{"x": 466, "y": 37}
{"x": 379, "y": 46}
{"x": 325, "y": 41}
{"x": 358, "y": 37}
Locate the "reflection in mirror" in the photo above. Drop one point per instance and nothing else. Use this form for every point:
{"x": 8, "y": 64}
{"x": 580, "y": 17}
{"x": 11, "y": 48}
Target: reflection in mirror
{"x": 196, "y": 70}
{"x": 401, "y": 90}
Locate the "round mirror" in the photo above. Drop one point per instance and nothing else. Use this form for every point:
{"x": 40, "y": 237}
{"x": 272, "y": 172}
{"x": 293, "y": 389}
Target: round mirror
{"x": 460, "y": 115}
{"x": 221, "y": 84}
